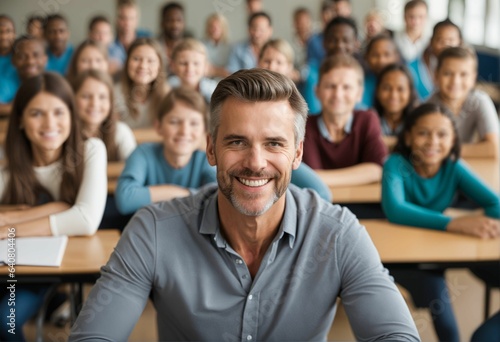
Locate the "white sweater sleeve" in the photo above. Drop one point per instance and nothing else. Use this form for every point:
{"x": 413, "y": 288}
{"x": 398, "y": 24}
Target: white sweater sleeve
{"x": 125, "y": 140}
{"x": 84, "y": 216}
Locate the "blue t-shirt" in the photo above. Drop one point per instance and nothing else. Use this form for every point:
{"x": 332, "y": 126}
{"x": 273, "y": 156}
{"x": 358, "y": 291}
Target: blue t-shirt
{"x": 147, "y": 166}
{"x": 410, "y": 199}
{"x": 9, "y": 85}
{"x": 369, "y": 90}
{"x": 59, "y": 64}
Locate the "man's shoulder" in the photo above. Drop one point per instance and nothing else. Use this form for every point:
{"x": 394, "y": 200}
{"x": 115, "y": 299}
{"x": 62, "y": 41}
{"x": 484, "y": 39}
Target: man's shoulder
{"x": 312, "y": 210}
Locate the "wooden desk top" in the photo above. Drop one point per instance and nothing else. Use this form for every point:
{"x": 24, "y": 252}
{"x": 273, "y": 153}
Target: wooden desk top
{"x": 404, "y": 244}
{"x": 115, "y": 169}
{"x": 143, "y": 135}
{"x": 488, "y": 170}
{"x": 83, "y": 255}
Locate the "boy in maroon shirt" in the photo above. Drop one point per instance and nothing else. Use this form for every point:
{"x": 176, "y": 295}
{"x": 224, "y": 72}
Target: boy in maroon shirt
{"x": 343, "y": 145}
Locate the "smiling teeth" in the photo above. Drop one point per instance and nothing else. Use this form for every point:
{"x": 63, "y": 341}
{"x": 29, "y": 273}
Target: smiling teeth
{"x": 254, "y": 183}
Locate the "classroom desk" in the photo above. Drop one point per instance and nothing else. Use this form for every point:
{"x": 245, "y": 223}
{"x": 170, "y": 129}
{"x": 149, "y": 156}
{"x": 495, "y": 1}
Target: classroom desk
{"x": 488, "y": 170}
{"x": 82, "y": 259}
{"x": 399, "y": 244}
{"x": 81, "y": 263}
{"x": 115, "y": 169}
{"x": 143, "y": 135}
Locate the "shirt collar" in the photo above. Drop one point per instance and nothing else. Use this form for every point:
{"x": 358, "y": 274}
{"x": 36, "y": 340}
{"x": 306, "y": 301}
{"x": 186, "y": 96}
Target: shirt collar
{"x": 324, "y": 131}
{"x": 210, "y": 224}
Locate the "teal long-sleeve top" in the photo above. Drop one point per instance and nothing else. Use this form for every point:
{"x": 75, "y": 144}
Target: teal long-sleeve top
{"x": 409, "y": 199}
{"x": 147, "y": 166}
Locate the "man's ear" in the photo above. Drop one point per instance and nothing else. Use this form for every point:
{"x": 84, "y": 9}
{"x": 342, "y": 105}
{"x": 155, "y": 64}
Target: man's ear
{"x": 211, "y": 151}
{"x": 298, "y": 155}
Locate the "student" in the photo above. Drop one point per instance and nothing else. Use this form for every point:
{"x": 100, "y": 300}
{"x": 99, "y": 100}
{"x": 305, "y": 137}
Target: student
{"x": 315, "y": 46}
{"x": 473, "y": 109}
{"x": 58, "y": 182}
{"x": 100, "y": 31}
{"x": 7, "y": 70}
{"x": 88, "y": 55}
{"x": 173, "y": 168}
{"x": 59, "y": 51}
{"x": 414, "y": 38}
{"x": 29, "y": 59}
{"x": 419, "y": 182}
{"x": 303, "y": 26}
{"x": 244, "y": 55}
{"x": 344, "y": 146}
{"x": 34, "y": 26}
{"x": 217, "y": 44}
{"x": 340, "y": 37}
{"x": 173, "y": 30}
{"x": 127, "y": 21}
{"x": 94, "y": 102}
{"x": 189, "y": 62}
{"x": 143, "y": 84}
{"x": 277, "y": 55}
{"x": 380, "y": 52}
{"x": 445, "y": 34}
{"x": 252, "y": 258}
{"x": 395, "y": 98}
{"x": 373, "y": 26}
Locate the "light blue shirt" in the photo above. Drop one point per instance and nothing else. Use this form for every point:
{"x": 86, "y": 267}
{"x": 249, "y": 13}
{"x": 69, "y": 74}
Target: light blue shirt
{"x": 323, "y": 130}
{"x": 422, "y": 79}
{"x": 59, "y": 64}
{"x": 241, "y": 57}
{"x": 147, "y": 166}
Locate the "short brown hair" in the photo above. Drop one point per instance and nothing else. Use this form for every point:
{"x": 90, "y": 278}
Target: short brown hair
{"x": 415, "y": 3}
{"x": 339, "y": 61}
{"x": 456, "y": 52}
{"x": 258, "y": 85}
{"x": 187, "y": 96}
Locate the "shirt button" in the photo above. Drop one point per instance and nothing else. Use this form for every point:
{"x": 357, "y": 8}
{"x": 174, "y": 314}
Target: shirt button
{"x": 249, "y": 337}
{"x": 250, "y": 297}
{"x": 239, "y": 261}
{"x": 244, "y": 276}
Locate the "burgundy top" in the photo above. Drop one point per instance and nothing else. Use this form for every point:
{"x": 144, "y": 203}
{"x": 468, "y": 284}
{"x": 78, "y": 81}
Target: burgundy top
{"x": 362, "y": 144}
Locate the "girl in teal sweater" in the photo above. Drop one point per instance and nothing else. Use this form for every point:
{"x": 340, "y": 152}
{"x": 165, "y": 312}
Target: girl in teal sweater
{"x": 419, "y": 182}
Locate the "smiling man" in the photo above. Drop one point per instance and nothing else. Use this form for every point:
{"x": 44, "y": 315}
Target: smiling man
{"x": 253, "y": 258}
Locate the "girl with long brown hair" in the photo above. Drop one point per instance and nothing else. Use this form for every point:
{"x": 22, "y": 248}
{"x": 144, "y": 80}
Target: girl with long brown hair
{"x": 94, "y": 101}
{"x": 143, "y": 84}
{"x": 59, "y": 180}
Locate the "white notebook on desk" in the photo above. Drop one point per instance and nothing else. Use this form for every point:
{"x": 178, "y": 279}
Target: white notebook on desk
{"x": 36, "y": 251}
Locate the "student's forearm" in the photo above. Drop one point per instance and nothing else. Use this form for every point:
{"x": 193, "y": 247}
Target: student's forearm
{"x": 5, "y": 109}
{"x": 38, "y": 227}
{"x": 14, "y": 217}
{"x": 364, "y": 173}
{"x": 483, "y": 149}
{"x": 166, "y": 192}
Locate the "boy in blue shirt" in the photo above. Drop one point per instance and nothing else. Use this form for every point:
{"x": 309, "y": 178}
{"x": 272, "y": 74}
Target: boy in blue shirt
{"x": 173, "y": 168}
{"x": 59, "y": 51}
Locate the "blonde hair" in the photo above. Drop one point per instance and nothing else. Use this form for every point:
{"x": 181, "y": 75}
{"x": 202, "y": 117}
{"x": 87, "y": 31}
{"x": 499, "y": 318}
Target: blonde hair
{"x": 224, "y": 25}
{"x": 280, "y": 45}
{"x": 189, "y": 44}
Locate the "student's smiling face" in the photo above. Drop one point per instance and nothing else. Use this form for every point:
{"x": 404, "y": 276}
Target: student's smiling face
{"x": 431, "y": 140}
{"x": 455, "y": 78}
{"x": 274, "y": 60}
{"x": 93, "y": 102}
{"x": 393, "y": 92}
{"x": 254, "y": 157}
{"x": 143, "y": 65}
{"x": 46, "y": 121}
{"x": 189, "y": 65}
{"x": 182, "y": 130}
{"x": 91, "y": 58}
